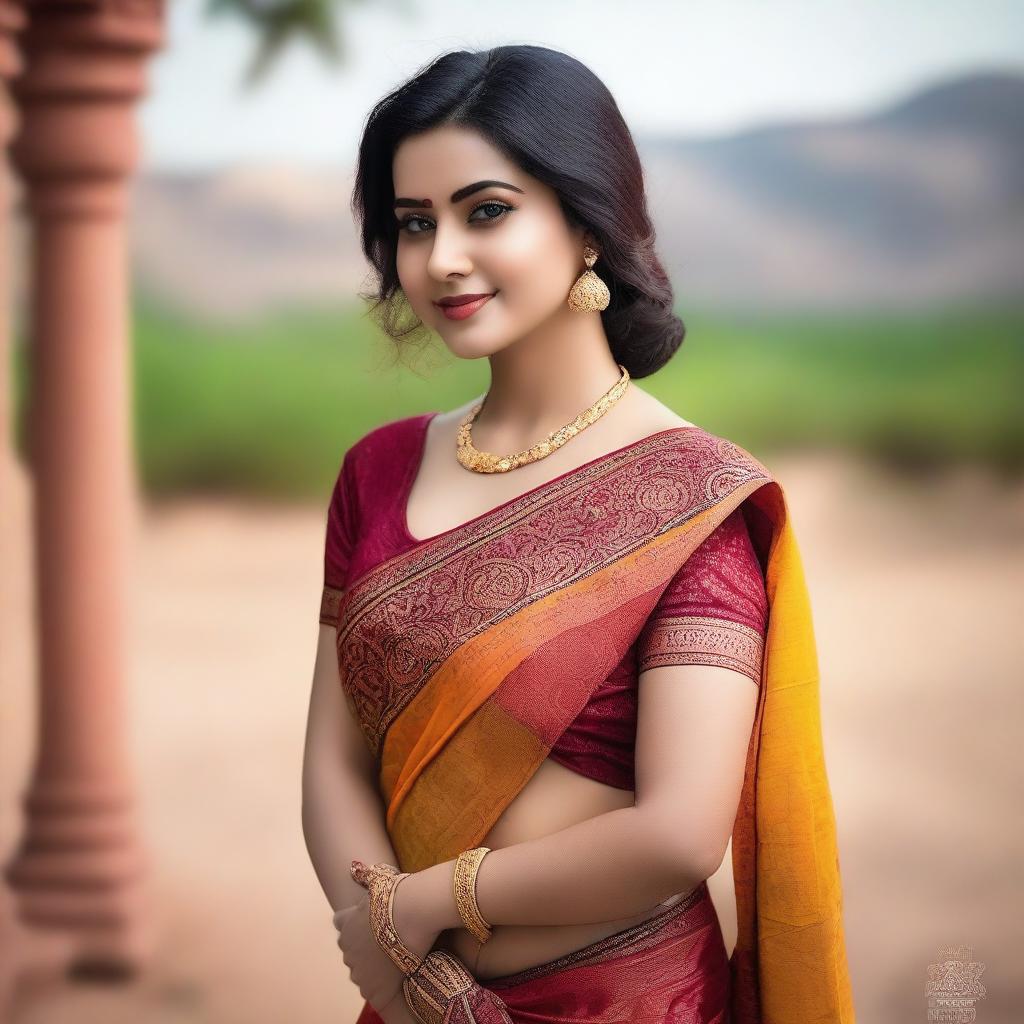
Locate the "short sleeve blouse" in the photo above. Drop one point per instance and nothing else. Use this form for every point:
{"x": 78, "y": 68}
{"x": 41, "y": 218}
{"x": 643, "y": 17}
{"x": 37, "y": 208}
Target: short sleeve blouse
{"x": 715, "y": 609}
{"x": 339, "y": 541}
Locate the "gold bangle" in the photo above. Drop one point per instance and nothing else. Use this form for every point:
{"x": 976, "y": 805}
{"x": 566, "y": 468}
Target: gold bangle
{"x": 381, "y": 881}
{"x": 467, "y": 864}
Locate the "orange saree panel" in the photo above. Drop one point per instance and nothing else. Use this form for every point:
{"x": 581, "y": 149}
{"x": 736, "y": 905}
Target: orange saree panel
{"x": 466, "y": 656}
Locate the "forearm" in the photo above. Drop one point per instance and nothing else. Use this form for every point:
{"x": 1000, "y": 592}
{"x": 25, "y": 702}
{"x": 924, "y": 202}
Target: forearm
{"x": 612, "y": 866}
{"x": 342, "y": 819}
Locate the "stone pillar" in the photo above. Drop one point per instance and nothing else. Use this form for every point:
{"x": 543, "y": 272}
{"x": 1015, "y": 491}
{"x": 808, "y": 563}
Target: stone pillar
{"x": 12, "y": 21}
{"x": 80, "y": 865}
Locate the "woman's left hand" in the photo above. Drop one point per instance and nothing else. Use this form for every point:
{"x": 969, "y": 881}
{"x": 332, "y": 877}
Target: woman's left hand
{"x": 371, "y": 969}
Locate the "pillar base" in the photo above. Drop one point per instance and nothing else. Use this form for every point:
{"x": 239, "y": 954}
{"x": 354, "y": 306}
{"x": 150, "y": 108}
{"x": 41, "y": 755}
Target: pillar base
{"x": 80, "y": 870}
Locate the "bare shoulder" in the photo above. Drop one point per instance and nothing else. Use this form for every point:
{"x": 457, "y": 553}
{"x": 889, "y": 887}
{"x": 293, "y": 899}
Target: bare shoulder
{"x": 654, "y": 413}
{"x": 451, "y": 418}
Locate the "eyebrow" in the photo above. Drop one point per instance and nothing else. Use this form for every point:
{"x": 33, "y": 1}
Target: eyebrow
{"x": 459, "y": 194}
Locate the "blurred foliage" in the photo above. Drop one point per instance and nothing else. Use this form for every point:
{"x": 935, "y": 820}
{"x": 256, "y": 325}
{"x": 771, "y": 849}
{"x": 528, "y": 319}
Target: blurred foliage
{"x": 269, "y": 409}
{"x": 276, "y": 23}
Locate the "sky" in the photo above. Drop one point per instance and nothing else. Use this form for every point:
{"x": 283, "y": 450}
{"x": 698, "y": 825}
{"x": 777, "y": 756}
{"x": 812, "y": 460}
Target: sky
{"x": 694, "y": 68}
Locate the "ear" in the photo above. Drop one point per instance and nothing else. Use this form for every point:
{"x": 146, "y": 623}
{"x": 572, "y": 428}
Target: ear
{"x": 579, "y": 233}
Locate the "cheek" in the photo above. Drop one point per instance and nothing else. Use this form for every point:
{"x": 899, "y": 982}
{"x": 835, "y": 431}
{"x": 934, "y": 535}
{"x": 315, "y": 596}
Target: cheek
{"x": 533, "y": 267}
{"x": 410, "y": 275}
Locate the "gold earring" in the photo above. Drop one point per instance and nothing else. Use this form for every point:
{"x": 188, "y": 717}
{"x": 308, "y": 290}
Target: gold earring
{"x": 589, "y": 292}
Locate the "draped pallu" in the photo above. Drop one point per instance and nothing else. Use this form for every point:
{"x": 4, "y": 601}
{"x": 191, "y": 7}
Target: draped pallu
{"x": 464, "y": 659}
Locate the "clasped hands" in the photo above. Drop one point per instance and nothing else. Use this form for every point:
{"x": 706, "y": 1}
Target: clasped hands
{"x": 386, "y": 941}
{"x": 373, "y": 969}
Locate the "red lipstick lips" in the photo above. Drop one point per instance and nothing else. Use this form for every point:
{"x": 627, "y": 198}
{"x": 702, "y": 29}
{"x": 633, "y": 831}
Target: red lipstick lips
{"x": 458, "y": 300}
{"x": 459, "y": 307}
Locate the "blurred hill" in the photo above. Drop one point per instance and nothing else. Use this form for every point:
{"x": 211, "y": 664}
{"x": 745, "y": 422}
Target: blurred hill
{"x": 917, "y": 204}
{"x": 897, "y": 209}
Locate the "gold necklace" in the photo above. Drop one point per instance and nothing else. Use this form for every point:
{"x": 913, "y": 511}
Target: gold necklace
{"x": 487, "y": 462}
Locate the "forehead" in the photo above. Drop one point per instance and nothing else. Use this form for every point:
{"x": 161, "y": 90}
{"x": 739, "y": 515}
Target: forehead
{"x": 436, "y": 162}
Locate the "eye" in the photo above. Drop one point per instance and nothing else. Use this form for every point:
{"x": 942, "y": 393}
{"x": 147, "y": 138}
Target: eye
{"x": 498, "y": 209}
{"x": 502, "y": 209}
{"x": 405, "y": 223}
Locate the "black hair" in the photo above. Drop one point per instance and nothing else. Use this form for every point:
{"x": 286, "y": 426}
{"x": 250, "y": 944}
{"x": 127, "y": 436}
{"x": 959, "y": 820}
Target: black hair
{"x": 553, "y": 117}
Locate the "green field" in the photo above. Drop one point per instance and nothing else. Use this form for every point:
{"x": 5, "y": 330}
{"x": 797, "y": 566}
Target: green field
{"x": 269, "y": 410}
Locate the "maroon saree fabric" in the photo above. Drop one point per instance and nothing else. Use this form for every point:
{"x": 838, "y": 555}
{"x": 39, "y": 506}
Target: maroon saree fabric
{"x": 465, "y": 656}
{"x": 714, "y": 611}
{"x": 671, "y": 968}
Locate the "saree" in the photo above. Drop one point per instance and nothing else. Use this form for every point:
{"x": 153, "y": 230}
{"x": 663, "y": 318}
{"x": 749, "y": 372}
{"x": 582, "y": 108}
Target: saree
{"x": 464, "y": 658}
{"x": 671, "y": 968}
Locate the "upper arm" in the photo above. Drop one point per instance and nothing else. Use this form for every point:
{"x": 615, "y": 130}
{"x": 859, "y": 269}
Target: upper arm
{"x": 700, "y": 658}
{"x": 333, "y": 735}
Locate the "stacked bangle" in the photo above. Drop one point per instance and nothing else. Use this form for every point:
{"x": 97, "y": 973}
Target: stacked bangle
{"x": 467, "y": 865}
{"x": 437, "y": 988}
{"x": 381, "y": 881}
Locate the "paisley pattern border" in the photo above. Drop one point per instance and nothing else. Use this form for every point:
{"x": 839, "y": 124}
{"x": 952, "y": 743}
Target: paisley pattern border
{"x": 401, "y": 619}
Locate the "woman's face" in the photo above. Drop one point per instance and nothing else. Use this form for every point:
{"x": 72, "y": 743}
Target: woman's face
{"x": 458, "y": 237}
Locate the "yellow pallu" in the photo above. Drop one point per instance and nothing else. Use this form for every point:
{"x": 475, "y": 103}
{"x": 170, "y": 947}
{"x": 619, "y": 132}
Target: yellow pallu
{"x": 464, "y": 658}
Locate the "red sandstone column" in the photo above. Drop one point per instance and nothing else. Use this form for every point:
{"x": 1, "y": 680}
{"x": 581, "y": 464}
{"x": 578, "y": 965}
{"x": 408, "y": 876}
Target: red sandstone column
{"x": 80, "y": 864}
{"x": 12, "y": 21}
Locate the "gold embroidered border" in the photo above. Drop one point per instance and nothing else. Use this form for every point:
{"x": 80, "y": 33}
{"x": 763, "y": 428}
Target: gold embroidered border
{"x": 703, "y": 469}
{"x": 330, "y": 601}
{"x": 703, "y": 640}
{"x": 402, "y": 618}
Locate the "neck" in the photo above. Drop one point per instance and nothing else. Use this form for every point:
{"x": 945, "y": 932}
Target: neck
{"x": 543, "y": 381}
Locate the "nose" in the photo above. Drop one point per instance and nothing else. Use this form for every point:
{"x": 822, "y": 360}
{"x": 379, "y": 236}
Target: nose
{"x": 448, "y": 254}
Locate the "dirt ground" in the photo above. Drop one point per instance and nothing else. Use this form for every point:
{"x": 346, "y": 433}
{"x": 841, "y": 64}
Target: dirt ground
{"x": 916, "y": 590}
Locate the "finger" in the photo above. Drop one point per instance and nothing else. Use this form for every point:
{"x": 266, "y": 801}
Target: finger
{"x": 360, "y": 872}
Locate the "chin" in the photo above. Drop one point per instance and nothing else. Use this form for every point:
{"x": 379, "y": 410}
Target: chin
{"x": 473, "y": 348}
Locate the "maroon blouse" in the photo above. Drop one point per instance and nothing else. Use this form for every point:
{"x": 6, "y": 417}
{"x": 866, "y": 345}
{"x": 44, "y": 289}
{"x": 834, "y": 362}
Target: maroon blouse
{"x": 713, "y": 612}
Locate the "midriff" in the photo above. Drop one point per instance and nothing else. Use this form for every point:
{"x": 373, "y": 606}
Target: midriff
{"x": 554, "y": 798}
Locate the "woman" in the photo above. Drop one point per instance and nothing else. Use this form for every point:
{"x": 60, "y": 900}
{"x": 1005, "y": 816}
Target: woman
{"x": 565, "y": 650}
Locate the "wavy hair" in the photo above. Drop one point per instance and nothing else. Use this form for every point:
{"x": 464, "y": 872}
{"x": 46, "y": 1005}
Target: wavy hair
{"x": 554, "y": 118}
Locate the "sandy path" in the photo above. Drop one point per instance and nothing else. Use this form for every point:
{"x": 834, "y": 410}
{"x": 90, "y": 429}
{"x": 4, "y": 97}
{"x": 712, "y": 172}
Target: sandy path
{"x": 917, "y": 623}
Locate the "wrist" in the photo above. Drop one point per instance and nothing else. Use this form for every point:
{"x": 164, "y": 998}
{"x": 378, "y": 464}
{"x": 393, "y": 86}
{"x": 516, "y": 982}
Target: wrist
{"x": 426, "y": 900}
{"x": 396, "y": 1010}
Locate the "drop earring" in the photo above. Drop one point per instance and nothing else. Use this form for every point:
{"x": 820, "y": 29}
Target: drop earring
{"x": 589, "y": 292}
